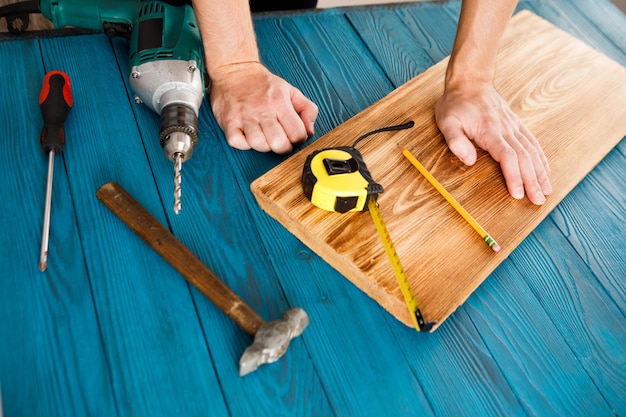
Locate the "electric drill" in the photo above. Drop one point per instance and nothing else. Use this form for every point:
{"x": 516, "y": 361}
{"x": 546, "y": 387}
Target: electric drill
{"x": 166, "y": 60}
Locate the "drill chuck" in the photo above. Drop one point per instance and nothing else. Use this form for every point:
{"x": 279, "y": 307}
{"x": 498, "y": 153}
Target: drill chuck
{"x": 179, "y": 131}
{"x": 178, "y": 137}
{"x": 174, "y": 89}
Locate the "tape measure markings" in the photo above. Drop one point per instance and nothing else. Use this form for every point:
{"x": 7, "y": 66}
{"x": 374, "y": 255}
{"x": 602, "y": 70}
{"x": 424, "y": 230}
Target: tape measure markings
{"x": 396, "y": 265}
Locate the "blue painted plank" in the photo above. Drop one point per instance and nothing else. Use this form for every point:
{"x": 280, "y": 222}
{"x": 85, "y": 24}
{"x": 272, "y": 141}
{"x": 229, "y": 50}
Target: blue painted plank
{"x": 457, "y": 370}
{"x": 577, "y": 25}
{"x": 432, "y": 27}
{"x": 155, "y": 347}
{"x": 356, "y": 84}
{"x": 584, "y": 314}
{"x": 52, "y": 362}
{"x": 599, "y": 240}
{"x": 597, "y": 22}
{"x": 404, "y": 57}
{"x": 540, "y": 367}
{"x": 602, "y": 14}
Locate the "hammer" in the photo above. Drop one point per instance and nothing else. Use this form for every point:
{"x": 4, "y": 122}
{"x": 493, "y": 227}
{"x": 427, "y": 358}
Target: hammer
{"x": 271, "y": 339}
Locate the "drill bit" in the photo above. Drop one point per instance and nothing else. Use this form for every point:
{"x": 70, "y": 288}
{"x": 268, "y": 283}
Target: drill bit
{"x": 178, "y": 165}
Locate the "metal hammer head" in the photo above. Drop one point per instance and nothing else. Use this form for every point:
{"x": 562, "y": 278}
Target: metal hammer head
{"x": 272, "y": 340}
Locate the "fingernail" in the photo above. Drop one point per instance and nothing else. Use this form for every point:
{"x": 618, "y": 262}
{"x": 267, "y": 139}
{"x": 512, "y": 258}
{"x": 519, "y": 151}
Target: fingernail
{"x": 540, "y": 200}
{"x": 546, "y": 187}
{"x": 518, "y": 193}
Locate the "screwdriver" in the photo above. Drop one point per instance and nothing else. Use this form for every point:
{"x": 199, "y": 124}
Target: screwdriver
{"x": 55, "y": 102}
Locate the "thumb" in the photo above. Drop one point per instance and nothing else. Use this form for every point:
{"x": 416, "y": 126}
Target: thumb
{"x": 459, "y": 143}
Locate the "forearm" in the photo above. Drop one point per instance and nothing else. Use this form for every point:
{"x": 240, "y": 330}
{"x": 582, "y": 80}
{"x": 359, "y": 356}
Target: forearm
{"x": 480, "y": 29}
{"x": 227, "y": 33}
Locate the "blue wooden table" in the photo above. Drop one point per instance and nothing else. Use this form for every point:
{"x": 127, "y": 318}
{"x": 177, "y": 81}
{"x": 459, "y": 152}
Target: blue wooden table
{"x": 111, "y": 329}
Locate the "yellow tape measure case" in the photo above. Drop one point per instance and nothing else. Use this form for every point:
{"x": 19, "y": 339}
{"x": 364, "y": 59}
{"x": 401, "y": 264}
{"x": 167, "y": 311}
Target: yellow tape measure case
{"x": 337, "y": 179}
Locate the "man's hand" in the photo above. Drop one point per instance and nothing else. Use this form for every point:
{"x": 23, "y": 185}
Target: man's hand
{"x": 478, "y": 113}
{"x": 259, "y": 110}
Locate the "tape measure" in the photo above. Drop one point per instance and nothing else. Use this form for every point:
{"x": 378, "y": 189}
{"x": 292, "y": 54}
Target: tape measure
{"x": 337, "y": 179}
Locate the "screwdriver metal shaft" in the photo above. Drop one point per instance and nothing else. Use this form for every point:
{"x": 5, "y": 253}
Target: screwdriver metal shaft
{"x": 43, "y": 257}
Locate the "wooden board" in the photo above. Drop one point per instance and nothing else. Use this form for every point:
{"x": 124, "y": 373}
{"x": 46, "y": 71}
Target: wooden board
{"x": 567, "y": 93}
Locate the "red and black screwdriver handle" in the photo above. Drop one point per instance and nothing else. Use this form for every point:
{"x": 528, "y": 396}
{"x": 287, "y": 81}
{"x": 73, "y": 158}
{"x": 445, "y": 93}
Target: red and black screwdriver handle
{"x": 55, "y": 102}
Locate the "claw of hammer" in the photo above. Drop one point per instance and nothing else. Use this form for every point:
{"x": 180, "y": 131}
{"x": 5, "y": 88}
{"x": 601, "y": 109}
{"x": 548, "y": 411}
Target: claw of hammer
{"x": 272, "y": 340}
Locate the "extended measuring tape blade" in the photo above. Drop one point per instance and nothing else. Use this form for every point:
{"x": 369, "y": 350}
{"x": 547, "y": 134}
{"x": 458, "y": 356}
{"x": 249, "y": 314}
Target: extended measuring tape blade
{"x": 394, "y": 259}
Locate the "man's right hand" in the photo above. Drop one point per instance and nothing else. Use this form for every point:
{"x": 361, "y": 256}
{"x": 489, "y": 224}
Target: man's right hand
{"x": 477, "y": 114}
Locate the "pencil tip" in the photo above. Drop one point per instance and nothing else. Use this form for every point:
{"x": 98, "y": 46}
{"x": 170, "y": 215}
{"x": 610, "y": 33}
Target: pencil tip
{"x": 43, "y": 265}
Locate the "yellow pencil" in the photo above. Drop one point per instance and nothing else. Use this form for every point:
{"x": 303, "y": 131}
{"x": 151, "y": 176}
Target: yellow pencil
{"x": 468, "y": 217}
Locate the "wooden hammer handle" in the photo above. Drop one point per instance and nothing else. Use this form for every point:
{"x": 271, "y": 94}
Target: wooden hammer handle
{"x": 176, "y": 254}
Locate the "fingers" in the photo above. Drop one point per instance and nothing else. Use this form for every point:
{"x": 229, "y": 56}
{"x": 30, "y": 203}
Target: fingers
{"x": 255, "y": 136}
{"x": 524, "y": 165}
{"x": 236, "y": 138}
{"x": 269, "y": 132}
{"x": 293, "y": 124}
{"x": 542, "y": 157}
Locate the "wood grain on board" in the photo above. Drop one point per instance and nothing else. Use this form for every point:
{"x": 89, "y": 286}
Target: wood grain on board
{"x": 571, "y": 97}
